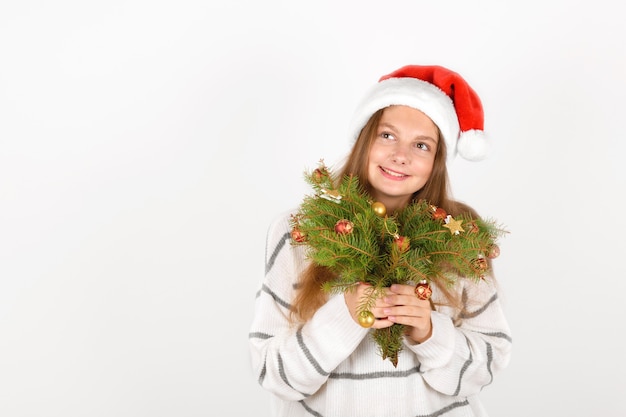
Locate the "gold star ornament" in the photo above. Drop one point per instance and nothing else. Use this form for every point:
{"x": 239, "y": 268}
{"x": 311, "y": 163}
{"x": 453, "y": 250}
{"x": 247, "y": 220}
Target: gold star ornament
{"x": 453, "y": 225}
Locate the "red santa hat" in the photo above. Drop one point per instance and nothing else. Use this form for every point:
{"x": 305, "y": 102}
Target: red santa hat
{"x": 442, "y": 95}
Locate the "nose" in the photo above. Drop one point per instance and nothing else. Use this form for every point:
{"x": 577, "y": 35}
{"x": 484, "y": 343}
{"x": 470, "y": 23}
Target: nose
{"x": 399, "y": 155}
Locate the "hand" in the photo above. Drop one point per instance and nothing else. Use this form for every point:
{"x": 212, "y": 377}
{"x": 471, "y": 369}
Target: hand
{"x": 353, "y": 298}
{"x": 403, "y": 307}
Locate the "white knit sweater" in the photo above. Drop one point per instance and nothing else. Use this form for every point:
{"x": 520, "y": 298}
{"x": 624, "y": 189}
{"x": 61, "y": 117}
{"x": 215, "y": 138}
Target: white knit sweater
{"x": 331, "y": 367}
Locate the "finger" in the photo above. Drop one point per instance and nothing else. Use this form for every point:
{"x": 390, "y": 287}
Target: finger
{"x": 422, "y": 290}
{"x": 419, "y": 321}
{"x": 407, "y": 311}
{"x": 402, "y": 289}
{"x": 382, "y": 323}
{"x": 416, "y": 322}
{"x": 406, "y": 300}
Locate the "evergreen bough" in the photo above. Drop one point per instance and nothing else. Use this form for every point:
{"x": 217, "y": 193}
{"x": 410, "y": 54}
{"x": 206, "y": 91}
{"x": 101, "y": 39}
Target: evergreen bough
{"x": 352, "y": 235}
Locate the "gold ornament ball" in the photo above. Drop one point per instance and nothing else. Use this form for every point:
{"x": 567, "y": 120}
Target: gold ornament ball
{"x": 366, "y": 319}
{"x": 379, "y": 208}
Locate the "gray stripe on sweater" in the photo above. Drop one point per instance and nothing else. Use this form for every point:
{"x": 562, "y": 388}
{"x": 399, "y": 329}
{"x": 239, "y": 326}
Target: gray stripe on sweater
{"x": 500, "y": 335}
{"x": 470, "y": 314}
{"x": 262, "y": 375}
{"x": 283, "y": 376}
{"x": 308, "y": 354}
{"x": 259, "y": 335}
{"x": 277, "y": 249}
{"x": 445, "y": 409}
{"x": 374, "y": 375}
{"x": 489, "y": 362}
{"x": 310, "y": 410}
{"x": 276, "y": 298}
{"x": 466, "y": 365}
{"x": 437, "y": 413}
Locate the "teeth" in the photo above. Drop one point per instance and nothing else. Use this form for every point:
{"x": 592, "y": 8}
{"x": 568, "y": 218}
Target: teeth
{"x": 393, "y": 173}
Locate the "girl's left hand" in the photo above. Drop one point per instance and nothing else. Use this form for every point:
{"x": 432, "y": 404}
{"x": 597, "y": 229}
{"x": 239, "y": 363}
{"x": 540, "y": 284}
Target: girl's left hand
{"x": 409, "y": 310}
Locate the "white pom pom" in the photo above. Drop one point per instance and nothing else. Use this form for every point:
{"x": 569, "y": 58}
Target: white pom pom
{"x": 473, "y": 145}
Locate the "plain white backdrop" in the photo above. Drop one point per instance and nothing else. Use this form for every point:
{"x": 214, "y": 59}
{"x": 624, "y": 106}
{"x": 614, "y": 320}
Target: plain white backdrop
{"x": 146, "y": 145}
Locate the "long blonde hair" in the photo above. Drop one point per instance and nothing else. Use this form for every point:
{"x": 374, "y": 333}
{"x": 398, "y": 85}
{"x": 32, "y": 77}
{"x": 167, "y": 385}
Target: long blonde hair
{"x": 309, "y": 296}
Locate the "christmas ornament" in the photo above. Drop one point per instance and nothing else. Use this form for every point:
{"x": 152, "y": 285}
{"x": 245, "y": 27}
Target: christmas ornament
{"x": 439, "y": 213}
{"x": 423, "y": 290}
{"x": 403, "y": 243}
{"x": 379, "y": 208}
{"x": 318, "y": 175}
{"x": 472, "y": 227}
{"x": 454, "y": 225}
{"x": 366, "y": 319}
{"x": 331, "y": 195}
{"x": 494, "y": 251}
{"x": 297, "y": 235}
{"x": 353, "y": 236}
{"x": 480, "y": 264}
{"x": 344, "y": 227}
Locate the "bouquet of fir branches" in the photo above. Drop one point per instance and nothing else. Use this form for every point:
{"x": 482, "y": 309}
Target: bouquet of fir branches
{"x": 352, "y": 235}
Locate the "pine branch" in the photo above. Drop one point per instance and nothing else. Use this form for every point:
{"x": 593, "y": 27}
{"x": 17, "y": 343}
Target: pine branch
{"x": 342, "y": 231}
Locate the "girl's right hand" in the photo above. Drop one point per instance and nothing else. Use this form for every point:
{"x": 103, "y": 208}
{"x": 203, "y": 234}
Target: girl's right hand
{"x": 353, "y": 299}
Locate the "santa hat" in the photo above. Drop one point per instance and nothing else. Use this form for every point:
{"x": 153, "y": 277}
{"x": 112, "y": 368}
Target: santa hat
{"x": 442, "y": 95}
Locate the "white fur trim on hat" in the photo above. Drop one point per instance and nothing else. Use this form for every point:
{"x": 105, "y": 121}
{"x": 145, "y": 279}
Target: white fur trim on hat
{"x": 415, "y": 93}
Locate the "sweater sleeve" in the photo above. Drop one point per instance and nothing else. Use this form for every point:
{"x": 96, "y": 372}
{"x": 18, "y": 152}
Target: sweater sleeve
{"x": 294, "y": 360}
{"x": 469, "y": 347}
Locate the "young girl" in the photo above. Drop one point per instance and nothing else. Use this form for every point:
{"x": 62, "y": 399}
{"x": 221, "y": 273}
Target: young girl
{"x": 308, "y": 348}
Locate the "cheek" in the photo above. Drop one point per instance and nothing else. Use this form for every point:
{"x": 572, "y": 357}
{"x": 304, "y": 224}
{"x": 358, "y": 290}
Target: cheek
{"x": 372, "y": 158}
{"x": 376, "y": 153}
{"x": 372, "y": 168}
{"x": 424, "y": 169}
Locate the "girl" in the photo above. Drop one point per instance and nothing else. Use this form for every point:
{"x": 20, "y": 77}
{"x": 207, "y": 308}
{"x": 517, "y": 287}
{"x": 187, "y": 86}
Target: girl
{"x": 307, "y": 347}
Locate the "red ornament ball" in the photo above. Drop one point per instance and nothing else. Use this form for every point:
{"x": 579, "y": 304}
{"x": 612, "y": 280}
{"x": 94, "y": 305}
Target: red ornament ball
{"x": 494, "y": 251}
{"x": 471, "y": 227}
{"x": 344, "y": 227}
{"x": 297, "y": 235}
{"x": 403, "y": 243}
{"x": 480, "y": 264}
{"x": 423, "y": 290}
{"x": 318, "y": 175}
{"x": 439, "y": 213}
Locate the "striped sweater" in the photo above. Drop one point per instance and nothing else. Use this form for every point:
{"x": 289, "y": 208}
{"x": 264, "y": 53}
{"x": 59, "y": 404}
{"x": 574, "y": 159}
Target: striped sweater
{"x": 331, "y": 367}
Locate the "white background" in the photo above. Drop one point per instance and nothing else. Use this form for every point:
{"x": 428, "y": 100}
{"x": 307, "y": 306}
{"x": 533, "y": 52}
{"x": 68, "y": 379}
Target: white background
{"x": 146, "y": 145}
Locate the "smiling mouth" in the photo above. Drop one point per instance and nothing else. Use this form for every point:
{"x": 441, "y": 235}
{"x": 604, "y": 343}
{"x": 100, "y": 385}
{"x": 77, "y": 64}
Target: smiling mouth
{"x": 392, "y": 173}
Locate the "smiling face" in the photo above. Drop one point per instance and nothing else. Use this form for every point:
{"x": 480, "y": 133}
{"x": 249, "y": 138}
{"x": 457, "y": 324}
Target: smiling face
{"x": 401, "y": 156}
